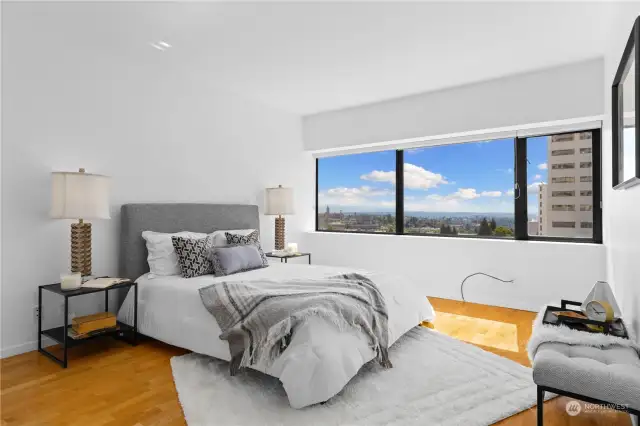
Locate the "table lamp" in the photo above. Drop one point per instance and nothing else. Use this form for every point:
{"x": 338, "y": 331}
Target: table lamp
{"x": 80, "y": 195}
{"x": 279, "y": 201}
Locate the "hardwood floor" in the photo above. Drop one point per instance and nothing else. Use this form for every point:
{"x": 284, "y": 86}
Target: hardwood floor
{"x": 110, "y": 383}
{"x": 554, "y": 410}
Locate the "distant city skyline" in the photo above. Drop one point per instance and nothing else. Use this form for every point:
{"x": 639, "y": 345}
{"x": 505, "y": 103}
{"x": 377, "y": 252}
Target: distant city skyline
{"x": 474, "y": 178}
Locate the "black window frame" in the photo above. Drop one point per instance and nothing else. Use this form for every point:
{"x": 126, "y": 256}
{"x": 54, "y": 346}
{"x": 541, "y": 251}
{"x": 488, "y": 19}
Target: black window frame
{"x": 521, "y": 216}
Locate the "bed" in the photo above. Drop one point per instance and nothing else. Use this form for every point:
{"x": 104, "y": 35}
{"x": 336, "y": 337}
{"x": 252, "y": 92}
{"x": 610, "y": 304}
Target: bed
{"x": 318, "y": 362}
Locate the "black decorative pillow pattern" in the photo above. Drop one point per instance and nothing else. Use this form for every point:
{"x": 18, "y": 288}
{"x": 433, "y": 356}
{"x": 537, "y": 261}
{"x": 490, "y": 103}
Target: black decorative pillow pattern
{"x": 193, "y": 255}
{"x": 252, "y": 238}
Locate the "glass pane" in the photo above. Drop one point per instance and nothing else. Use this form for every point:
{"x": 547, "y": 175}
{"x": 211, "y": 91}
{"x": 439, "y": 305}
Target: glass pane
{"x": 356, "y": 193}
{"x": 560, "y": 187}
{"x": 460, "y": 189}
{"x": 629, "y": 115}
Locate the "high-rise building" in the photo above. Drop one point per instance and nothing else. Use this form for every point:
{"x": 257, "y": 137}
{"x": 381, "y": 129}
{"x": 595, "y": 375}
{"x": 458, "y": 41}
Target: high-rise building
{"x": 565, "y": 202}
{"x": 542, "y": 206}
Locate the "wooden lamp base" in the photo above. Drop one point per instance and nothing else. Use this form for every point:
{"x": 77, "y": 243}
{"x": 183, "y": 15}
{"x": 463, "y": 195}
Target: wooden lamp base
{"x": 81, "y": 247}
{"x": 279, "y": 233}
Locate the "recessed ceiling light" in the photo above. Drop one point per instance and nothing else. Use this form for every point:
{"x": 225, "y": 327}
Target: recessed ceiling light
{"x": 160, "y": 45}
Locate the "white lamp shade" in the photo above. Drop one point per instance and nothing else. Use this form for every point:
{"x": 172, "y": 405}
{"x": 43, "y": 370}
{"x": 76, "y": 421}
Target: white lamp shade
{"x": 77, "y": 195}
{"x": 279, "y": 201}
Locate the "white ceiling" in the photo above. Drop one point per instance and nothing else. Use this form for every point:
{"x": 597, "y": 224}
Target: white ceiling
{"x": 311, "y": 57}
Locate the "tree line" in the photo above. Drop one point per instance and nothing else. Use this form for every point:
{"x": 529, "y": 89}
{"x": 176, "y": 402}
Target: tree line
{"x": 486, "y": 228}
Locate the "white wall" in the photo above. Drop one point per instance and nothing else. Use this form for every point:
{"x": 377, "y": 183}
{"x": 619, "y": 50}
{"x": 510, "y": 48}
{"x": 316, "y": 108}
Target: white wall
{"x": 571, "y": 91}
{"x": 542, "y": 271}
{"x": 163, "y": 137}
{"x": 622, "y": 208}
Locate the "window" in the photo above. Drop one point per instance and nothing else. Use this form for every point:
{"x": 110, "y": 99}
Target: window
{"x": 557, "y": 152}
{"x": 357, "y": 192}
{"x": 562, "y": 138}
{"x": 563, "y": 166}
{"x": 563, "y": 193}
{"x": 564, "y": 179}
{"x": 563, "y": 208}
{"x": 560, "y": 218}
{"x": 507, "y": 188}
{"x": 586, "y": 225}
{"x": 585, "y": 136}
{"x": 563, "y": 224}
{"x": 460, "y": 189}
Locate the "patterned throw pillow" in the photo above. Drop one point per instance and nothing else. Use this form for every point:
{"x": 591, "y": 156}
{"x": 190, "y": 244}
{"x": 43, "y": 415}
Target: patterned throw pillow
{"x": 252, "y": 238}
{"x": 193, "y": 256}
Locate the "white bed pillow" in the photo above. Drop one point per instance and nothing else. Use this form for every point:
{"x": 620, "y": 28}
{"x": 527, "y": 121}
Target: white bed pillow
{"x": 162, "y": 257}
{"x": 220, "y": 239}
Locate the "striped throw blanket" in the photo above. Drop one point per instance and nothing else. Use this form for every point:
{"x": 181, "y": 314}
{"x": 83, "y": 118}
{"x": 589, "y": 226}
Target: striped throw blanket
{"x": 258, "y": 317}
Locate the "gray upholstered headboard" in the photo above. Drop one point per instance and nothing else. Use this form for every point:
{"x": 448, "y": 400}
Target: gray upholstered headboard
{"x": 177, "y": 217}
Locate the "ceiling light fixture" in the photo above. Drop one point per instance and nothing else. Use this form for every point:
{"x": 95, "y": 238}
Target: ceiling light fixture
{"x": 160, "y": 45}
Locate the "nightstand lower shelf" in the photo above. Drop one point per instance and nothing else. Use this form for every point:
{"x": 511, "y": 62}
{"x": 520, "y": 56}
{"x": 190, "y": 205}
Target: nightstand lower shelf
{"x": 57, "y": 334}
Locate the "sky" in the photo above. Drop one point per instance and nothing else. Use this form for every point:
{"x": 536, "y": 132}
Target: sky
{"x": 475, "y": 177}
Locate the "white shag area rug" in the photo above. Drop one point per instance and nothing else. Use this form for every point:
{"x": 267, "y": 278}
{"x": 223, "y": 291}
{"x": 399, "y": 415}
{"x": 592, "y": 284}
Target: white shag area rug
{"x": 435, "y": 380}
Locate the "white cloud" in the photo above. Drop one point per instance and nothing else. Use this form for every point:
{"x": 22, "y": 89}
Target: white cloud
{"x": 363, "y": 191}
{"x": 415, "y": 177}
{"x": 509, "y": 192}
{"x": 465, "y": 194}
{"x": 534, "y": 188}
{"x": 508, "y": 171}
{"x": 380, "y": 176}
{"x": 537, "y": 177}
{"x": 543, "y": 166}
{"x": 362, "y": 196}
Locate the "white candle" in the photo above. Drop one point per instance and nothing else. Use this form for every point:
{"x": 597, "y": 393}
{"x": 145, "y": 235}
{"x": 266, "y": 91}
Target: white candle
{"x": 292, "y": 247}
{"x": 70, "y": 281}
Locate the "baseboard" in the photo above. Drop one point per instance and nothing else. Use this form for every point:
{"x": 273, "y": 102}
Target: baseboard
{"x": 25, "y": 347}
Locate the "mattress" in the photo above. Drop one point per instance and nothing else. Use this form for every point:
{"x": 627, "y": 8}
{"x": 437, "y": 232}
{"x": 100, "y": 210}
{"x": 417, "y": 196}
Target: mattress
{"x": 320, "y": 359}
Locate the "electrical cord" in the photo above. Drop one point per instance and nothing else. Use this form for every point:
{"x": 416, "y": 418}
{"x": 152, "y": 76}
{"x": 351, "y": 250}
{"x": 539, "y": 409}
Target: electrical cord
{"x": 479, "y": 273}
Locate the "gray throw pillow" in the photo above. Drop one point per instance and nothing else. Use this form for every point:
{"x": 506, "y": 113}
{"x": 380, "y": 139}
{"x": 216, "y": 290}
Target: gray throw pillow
{"x": 233, "y": 259}
{"x": 252, "y": 238}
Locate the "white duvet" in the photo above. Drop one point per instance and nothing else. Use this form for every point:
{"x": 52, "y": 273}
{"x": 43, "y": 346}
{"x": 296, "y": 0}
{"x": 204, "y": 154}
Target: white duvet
{"x": 320, "y": 359}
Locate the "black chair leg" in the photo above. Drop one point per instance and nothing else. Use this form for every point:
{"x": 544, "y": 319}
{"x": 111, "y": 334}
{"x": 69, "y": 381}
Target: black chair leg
{"x": 540, "y": 405}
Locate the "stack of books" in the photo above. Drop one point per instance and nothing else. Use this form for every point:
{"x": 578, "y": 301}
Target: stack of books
{"x": 90, "y": 325}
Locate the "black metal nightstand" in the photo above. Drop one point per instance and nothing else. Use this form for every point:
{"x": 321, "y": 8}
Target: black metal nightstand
{"x": 288, "y": 256}
{"x": 60, "y": 334}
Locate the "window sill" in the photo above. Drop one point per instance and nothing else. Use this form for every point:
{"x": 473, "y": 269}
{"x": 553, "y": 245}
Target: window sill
{"x": 532, "y": 240}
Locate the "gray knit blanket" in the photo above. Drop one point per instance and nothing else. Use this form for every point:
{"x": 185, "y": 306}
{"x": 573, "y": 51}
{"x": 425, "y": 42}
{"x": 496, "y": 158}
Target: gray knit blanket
{"x": 257, "y": 318}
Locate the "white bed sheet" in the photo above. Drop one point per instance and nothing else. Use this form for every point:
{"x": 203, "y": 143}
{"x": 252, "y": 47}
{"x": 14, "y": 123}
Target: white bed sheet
{"x": 320, "y": 359}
